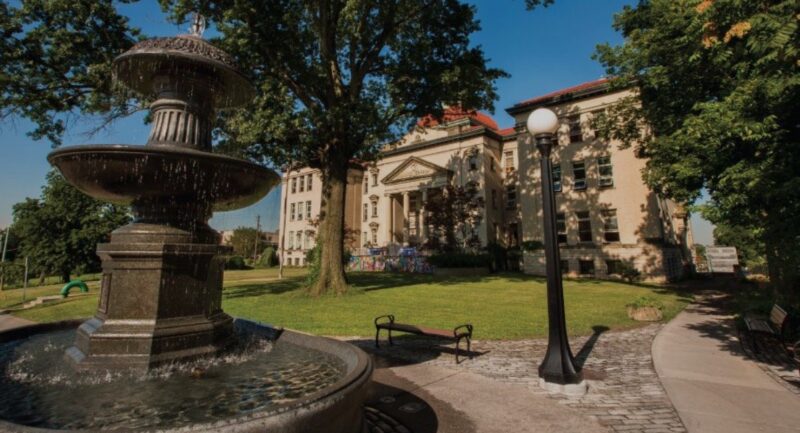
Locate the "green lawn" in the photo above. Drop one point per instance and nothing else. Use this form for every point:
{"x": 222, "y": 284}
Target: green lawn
{"x": 500, "y": 306}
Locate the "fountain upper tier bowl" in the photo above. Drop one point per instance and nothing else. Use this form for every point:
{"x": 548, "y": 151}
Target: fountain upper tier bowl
{"x": 183, "y": 56}
{"x": 127, "y": 174}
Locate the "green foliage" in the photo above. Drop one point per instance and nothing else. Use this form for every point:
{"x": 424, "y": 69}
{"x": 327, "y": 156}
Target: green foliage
{"x": 313, "y": 257}
{"x": 57, "y": 61}
{"x": 749, "y": 244}
{"x": 269, "y": 258}
{"x": 718, "y": 84}
{"x": 460, "y": 260}
{"x": 647, "y": 301}
{"x": 243, "y": 241}
{"x": 629, "y": 272}
{"x": 454, "y": 216}
{"x": 533, "y": 4}
{"x": 60, "y": 231}
{"x": 338, "y": 80}
{"x": 532, "y": 245}
{"x": 236, "y": 263}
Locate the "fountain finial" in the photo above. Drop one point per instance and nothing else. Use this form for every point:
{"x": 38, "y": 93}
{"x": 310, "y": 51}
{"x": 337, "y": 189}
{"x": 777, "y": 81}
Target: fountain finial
{"x": 198, "y": 25}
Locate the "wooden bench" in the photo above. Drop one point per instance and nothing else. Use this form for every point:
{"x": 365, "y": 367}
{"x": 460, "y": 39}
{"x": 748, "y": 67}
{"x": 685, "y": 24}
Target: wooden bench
{"x": 772, "y": 326}
{"x": 457, "y": 334}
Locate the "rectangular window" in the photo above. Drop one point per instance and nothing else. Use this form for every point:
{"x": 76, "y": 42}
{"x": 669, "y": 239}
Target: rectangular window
{"x": 584, "y": 227}
{"x": 509, "y": 159}
{"x": 291, "y": 240}
{"x": 575, "y": 132}
{"x": 374, "y": 179}
{"x": 491, "y": 163}
{"x": 561, "y": 227}
{"x": 564, "y": 264}
{"x": 494, "y": 199}
{"x": 596, "y": 115}
{"x": 299, "y": 240}
{"x": 586, "y": 267}
{"x": 557, "y": 178}
{"x": 309, "y": 241}
{"x": 374, "y": 236}
{"x": 613, "y": 267}
{"x": 294, "y": 185}
{"x": 302, "y": 183}
{"x": 610, "y": 226}
{"x": 293, "y": 212}
{"x": 365, "y": 212}
{"x": 308, "y": 210}
{"x": 366, "y": 184}
{"x": 473, "y": 162}
{"x": 605, "y": 171}
{"x": 364, "y": 240}
{"x": 511, "y": 197}
{"x": 300, "y": 211}
{"x": 375, "y": 209}
{"x": 579, "y": 175}
{"x": 309, "y": 182}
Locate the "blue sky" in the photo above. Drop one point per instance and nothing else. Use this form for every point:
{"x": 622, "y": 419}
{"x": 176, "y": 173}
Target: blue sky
{"x": 544, "y": 50}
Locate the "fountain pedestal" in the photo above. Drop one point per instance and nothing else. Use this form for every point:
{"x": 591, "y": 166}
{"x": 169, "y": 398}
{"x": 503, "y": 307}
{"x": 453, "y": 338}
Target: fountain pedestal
{"x": 160, "y": 301}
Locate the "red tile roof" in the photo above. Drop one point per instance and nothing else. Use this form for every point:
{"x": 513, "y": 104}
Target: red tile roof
{"x": 455, "y": 113}
{"x": 580, "y": 87}
{"x": 506, "y": 132}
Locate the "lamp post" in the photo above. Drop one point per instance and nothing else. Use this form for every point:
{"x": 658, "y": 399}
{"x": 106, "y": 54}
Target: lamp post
{"x": 557, "y": 371}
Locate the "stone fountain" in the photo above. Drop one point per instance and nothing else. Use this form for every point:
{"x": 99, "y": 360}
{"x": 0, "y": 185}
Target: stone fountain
{"x": 161, "y": 289}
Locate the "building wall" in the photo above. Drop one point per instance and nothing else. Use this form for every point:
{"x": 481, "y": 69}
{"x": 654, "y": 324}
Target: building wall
{"x": 651, "y": 233}
{"x": 646, "y": 223}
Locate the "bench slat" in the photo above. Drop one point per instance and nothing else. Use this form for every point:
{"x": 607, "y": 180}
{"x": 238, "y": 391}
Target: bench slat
{"x": 420, "y": 330}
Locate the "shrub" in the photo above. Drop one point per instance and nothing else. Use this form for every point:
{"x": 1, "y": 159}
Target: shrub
{"x": 461, "y": 260}
{"x": 646, "y": 301}
{"x": 629, "y": 272}
{"x": 499, "y": 255}
{"x": 269, "y": 258}
{"x": 532, "y": 245}
{"x": 235, "y": 262}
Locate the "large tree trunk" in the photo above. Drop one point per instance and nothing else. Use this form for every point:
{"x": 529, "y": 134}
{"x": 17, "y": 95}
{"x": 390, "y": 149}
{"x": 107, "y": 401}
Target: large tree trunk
{"x": 330, "y": 236}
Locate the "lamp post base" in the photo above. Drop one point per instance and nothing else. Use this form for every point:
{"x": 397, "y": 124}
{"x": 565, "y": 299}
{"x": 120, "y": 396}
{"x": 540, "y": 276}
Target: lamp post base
{"x": 570, "y": 389}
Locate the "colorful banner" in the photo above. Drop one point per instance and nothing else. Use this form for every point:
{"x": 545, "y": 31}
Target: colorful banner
{"x": 408, "y": 264}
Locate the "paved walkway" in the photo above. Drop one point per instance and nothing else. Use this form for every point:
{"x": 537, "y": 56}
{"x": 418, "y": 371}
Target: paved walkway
{"x": 624, "y": 395}
{"x": 713, "y": 386}
{"x": 8, "y": 321}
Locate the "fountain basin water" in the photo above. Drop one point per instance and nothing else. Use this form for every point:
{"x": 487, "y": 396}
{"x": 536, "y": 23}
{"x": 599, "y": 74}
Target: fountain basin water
{"x": 333, "y": 377}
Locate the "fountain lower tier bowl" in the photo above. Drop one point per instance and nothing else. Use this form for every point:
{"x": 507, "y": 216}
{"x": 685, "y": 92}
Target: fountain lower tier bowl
{"x": 130, "y": 174}
{"x": 272, "y": 381}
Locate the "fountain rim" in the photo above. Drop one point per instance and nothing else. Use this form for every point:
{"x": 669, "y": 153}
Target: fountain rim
{"x": 164, "y": 150}
{"x": 356, "y": 377}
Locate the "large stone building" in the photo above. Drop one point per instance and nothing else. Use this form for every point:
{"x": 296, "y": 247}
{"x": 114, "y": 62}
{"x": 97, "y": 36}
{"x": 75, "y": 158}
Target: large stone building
{"x": 607, "y": 216}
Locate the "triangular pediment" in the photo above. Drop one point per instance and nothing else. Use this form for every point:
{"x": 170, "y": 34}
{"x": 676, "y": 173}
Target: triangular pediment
{"x": 414, "y": 168}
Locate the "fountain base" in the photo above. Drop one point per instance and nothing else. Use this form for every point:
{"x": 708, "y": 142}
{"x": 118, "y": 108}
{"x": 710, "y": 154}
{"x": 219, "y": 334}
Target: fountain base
{"x": 160, "y": 301}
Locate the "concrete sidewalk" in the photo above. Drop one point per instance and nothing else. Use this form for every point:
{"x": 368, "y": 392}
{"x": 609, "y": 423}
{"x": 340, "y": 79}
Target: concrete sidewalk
{"x": 713, "y": 386}
{"x": 8, "y": 321}
{"x": 443, "y": 400}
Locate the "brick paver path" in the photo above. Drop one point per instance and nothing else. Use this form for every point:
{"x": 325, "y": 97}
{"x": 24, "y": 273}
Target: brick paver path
{"x": 624, "y": 391}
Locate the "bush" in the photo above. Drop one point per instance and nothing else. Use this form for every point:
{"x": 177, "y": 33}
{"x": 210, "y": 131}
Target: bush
{"x": 532, "y": 246}
{"x": 499, "y": 255}
{"x": 235, "y": 262}
{"x": 461, "y": 260}
{"x": 646, "y": 301}
{"x": 269, "y": 258}
{"x": 629, "y": 272}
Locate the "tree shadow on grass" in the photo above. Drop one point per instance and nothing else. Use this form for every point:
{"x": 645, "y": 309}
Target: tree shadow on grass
{"x": 268, "y": 288}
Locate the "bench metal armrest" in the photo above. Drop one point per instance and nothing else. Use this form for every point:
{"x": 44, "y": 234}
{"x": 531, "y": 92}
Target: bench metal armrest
{"x": 388, "y": 316}
{"x": 467, "y": 326}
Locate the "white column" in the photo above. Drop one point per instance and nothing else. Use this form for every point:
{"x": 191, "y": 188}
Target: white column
{"x": 423, "y": 224}
{"x": 387, "y": 220}
{"x": 406, "y": 206}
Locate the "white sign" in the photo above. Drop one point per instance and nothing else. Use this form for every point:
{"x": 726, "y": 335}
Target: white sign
{"x": 722, "y": 259}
